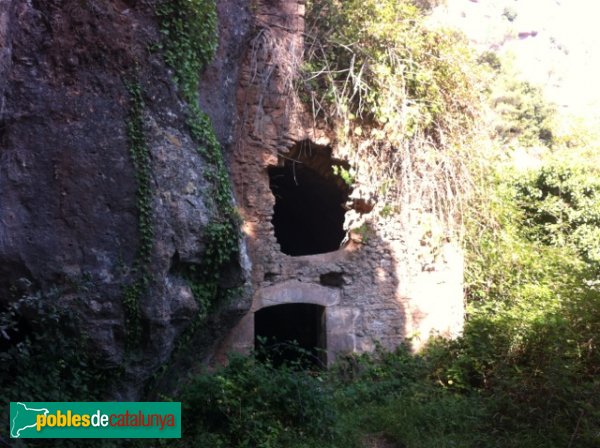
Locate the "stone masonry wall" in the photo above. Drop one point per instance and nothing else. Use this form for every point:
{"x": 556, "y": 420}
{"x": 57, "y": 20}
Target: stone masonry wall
{"x": 393, "y": 281}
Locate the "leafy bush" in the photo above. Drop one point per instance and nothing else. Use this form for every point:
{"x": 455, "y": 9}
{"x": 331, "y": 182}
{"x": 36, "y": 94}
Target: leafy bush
{"x": 45, "y": 357}
{"x": 360, "y": 379}
{"x": 375, "y": 59}
{"x": 523, "y": 115}
{"x": 393, "y": 396}
{"x": 253, "y": 404}
{"x": 428, "y": 417}
{"x": 562, "y": 207}
{"x": 533, "y": 313}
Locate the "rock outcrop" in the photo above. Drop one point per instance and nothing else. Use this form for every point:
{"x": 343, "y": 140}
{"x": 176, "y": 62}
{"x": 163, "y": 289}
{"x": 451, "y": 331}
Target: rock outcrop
{"x": 69, "y": 199}
{"x": 68, "y": 213}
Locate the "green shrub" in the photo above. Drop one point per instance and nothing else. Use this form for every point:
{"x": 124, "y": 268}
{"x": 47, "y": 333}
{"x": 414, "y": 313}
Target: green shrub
{"x": 45, "y": 357}
{"x": 528, "y": 344}
{"x": 253, "y": 404}
{"x": 360, "y": 379}
{"x": 561, "y": 202}
{"x": 429, "y": 418}
{"x": 523, "y": 113}
{"x": 397, "y": 396}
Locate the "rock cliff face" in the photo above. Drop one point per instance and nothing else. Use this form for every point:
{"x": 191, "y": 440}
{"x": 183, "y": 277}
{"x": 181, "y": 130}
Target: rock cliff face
{"x": 69, "y": 199}
{"x": 68, "y": 213}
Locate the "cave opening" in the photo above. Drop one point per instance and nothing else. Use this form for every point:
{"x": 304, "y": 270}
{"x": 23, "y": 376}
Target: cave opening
{"x": 308, "y": 216}
{"x": 291, "y": 334}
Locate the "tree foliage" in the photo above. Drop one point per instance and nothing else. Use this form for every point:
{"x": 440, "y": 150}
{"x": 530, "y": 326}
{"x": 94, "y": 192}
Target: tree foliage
{"x": 400, "y": 94}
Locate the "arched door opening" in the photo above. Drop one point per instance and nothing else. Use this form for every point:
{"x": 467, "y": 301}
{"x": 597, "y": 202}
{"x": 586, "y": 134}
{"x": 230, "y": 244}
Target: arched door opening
{"x": 309, "y": 197}
{"x": 291, "y": 333}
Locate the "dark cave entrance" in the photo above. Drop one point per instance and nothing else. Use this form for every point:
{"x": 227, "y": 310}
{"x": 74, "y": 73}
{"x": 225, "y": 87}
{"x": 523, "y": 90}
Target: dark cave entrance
{"x": 308, "y": 216}
{"x": 291, "y": 333}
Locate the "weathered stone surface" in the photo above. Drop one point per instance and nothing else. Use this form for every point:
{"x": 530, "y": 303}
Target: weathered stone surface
{"x": 294, "y": 291}
{"x": 390, "y": 286}
{"x": 67, "y": 183}
{"x": 68, "y": 214}
{"x": 68, "y": 189}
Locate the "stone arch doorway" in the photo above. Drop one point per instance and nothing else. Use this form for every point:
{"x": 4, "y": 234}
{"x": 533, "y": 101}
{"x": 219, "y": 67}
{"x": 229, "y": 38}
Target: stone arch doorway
{"x": 338, "y": 322}
{"x": 292, "y": 332}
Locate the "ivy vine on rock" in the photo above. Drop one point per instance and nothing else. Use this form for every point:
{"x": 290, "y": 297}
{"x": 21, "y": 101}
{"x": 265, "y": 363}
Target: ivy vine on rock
{"x": 140, "y": 156}
{"x": 189, "y": 29}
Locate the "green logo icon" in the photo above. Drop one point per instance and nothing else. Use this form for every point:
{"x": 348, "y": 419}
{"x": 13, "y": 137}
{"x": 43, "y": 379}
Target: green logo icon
{"x": 24, "y": 418}
{"x": 57, "y": 420}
